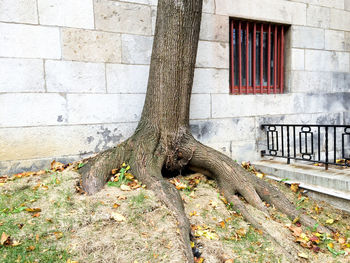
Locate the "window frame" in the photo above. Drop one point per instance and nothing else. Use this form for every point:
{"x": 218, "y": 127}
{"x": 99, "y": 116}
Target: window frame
{"x": 273, "y": 86}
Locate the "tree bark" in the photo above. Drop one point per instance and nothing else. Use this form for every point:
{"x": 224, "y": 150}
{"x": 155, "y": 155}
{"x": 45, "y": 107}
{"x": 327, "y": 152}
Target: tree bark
{"x": 162, "y": 139}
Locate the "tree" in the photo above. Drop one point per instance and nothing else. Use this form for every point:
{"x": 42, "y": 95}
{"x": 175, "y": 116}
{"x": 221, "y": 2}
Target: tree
{"x": 163, "y": 141}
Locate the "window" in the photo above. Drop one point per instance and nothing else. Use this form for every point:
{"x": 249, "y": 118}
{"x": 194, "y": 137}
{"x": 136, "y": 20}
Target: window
{"x": 256, "y": 57}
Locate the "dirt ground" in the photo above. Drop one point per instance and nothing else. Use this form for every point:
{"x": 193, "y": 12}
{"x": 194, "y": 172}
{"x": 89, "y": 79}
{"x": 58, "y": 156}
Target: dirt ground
{"x": 44, "y": 219}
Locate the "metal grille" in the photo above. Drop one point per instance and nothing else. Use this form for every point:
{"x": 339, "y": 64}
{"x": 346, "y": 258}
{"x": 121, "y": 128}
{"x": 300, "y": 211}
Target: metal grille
{"x": 327, "y": 144}
{"x": 256, "y": 57}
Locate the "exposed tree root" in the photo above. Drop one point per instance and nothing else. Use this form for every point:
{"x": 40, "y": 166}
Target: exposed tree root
{"x": 147, "y": 158}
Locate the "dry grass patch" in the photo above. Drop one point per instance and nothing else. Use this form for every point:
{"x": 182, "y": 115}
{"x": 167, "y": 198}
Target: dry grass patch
{"x": 48, "y": 221}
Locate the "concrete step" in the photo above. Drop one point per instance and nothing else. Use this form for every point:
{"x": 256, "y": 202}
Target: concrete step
{"x": 332, "y": 185}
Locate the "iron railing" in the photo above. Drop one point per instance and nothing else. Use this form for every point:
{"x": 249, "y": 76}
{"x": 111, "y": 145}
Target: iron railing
{"x": 326, "y": 144}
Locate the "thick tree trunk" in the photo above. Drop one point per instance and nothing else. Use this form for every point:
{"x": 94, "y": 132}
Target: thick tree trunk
{"x": 163, "y": 140}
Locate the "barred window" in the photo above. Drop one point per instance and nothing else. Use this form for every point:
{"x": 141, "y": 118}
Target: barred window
{"x": 256, "y": 57}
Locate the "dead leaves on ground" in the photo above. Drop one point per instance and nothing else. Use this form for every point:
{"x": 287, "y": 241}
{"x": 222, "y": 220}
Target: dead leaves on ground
{"x": 204, "y": 231}
{"x": 250, "y": 168}
{"x": 122, "y": 178}
{"x": 317, "y": 241}
{"x": 7, "y": 241}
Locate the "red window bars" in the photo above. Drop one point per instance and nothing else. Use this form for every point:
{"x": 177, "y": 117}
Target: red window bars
{"x": 256, "y": 57}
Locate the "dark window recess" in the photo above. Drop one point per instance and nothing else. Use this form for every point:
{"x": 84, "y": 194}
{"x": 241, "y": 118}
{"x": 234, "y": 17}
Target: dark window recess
{"x": 256, "y": 57}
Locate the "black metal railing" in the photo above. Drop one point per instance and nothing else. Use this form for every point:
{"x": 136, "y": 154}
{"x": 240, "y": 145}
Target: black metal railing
{"x": 327, "y": 144}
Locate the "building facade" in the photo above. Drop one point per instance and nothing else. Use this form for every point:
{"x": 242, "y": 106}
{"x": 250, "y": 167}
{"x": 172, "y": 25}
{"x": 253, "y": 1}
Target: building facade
{"x": 74, "y": 74}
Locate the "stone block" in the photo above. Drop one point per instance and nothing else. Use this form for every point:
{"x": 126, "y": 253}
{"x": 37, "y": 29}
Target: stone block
{"x": 226, "y": 106}
{"x": 307, "y": 37}
{"x": 93, "y": 46}
{"x": 136, "y": 49}
{"x": 325, "y": 102}
{"x": 223, "y": 147}
{"x": 334, "y": 40}
{"x": 286, "y": 103}
{"x": 320, "y": 60}
{"x": 21, "y": 75}
{"x": 340, "y": 20}
{"x": 340, "y": 82}
{"x": 123, "y": 78}
{"x": 245, "y": 151}
{"x": 80, "y": 140}
{"x": 301, "y": 118}
{"x": 104, "y": 108}
{"x": 209, "y": 6}
{"x": 214, "y": 27}
{"x": 77, "y": 13}
{"x": 298, "y": 58}
{"x": 154, "y": 18}
{"x": 266, "y": 10}
{"x": 30, "y": 109}
{"x": 210, "y": 80}
{"x": 145, "y": 2}
{"x": 26, "y": 41}
{"x": 347, "y": 5}
{"x": 200, "y": 106}
{"x": 347, "y": 41}
{"x": 20, "y": 11}
{"x": 327, "y": 3}
{"x": 123, "y": 17}
{"x": 69, "y": 76}
{"x": 226, "y": 129}
{"x": 310, "y": 81}
{"x": 317, "y": 16}
{"x": 212, "y": 55}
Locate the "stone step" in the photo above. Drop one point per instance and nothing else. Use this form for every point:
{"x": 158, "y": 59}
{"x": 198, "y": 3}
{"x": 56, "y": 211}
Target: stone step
{"x": 332, "y": 185}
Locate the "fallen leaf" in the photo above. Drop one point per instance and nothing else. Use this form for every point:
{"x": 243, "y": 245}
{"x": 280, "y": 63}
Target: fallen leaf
{"x": 296, "y": 220}
{"x": 57, "y": 166}
{"x": 199, "y": 260}
{"x": 315, "y": 239}
{"x": 241, "y": 232}
{"x": 4, "y": 238}
{"x": 36, "y": 215}
{"x": 178, "y": 184}
{"x": 58, "y": 235}
{"x": 296, "y": 230}
{"x": 15, "y": 243}
{"x": 260, "y": 175}
{"x": 30, "y": 248}
{"x": 194, "y": 213}
{"x": 222, "y": 224}
{"x": 124, "y": 187}
{"x": 118, "y": 217}
{"x": 317, "y": 209}
{"x": 294, "y": 187}
{"x": 303, "y": 255}
{"x": 341, "y": 240}
{"x": 33, "y": 210}
{"x": 316, "y": 249}
{"x": 121, "y": 197}
{"x": 330, "y": 221}
{"x": 3, "y": 179}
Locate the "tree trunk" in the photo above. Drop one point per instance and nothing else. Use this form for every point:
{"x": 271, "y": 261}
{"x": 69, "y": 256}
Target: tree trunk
{"x": 163, "y": 139}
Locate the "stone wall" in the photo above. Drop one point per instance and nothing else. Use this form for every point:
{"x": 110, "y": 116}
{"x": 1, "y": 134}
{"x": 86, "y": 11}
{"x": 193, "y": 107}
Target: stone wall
{"x": 74, "y": 75}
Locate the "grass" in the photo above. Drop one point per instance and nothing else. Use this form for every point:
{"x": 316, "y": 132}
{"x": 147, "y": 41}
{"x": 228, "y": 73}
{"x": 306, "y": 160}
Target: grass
{"x": 78, "y": 227}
